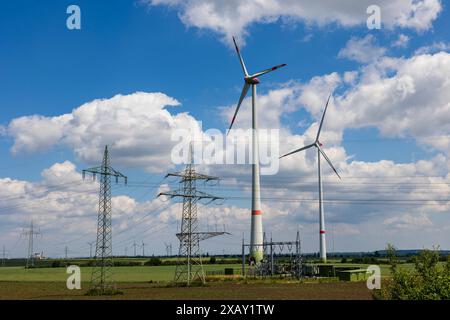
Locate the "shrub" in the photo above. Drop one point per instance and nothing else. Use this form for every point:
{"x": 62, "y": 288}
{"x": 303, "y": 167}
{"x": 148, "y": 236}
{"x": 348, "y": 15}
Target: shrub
{"x": 153, "y": 262}
{"x": 427, "y": 281}
{"x": 56, "y": 264}
{"x": 127, "y": 263}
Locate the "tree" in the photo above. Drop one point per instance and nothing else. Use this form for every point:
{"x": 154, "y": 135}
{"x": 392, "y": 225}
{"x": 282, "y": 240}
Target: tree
{"x": 427, "y": 281}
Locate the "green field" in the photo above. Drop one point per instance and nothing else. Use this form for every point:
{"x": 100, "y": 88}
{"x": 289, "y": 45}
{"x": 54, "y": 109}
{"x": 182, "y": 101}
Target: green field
{"x": 137, "y": 273}
{"x": 153, "y": 282}
{"x": 235, "y": 290}
{"x": 120, "y": 274}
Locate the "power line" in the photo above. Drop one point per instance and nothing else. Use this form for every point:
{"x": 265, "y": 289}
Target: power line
{"x": 44, "y": 200}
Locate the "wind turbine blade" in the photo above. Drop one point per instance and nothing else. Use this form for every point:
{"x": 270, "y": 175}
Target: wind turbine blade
{"x": 298, "y": 150}
{"x": 269, "y": 70}
{"x": 240, "y": 58}
{"x": 328, "y": 160}
{"x": 243, "y": 94}
{"x": 323, "y": 117}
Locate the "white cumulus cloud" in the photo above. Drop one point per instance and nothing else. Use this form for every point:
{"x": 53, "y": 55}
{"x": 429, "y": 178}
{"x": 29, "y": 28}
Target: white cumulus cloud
{"x": 234, "y": 17}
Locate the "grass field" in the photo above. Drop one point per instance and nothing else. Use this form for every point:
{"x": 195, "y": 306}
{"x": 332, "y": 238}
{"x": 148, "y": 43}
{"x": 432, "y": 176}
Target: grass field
{"x": 151, "y": 282}
{"x": 133, "y": 274}
{"x": 120, "y": 274}
{"x": 212, "y": 291}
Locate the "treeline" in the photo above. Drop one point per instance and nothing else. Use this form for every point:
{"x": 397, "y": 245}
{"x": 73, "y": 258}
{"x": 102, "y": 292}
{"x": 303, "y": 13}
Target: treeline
{"x": 212, "y": 260}
{"x": 154, "y": 261}
{"x": 373, "y": 260}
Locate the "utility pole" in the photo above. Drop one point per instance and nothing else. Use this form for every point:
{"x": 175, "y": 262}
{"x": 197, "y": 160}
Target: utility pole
{"x": 65, "y": 252}
{"x": 31, "y": 233}
{"x": 101, "y": 279}
{"x": 189, "y": 267}
{"x": 134, "y": 245}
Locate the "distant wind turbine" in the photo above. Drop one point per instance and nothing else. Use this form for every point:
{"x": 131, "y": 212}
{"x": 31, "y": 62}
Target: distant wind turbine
{"x": 256, "y": 238}
{"x": 318, "y": 145}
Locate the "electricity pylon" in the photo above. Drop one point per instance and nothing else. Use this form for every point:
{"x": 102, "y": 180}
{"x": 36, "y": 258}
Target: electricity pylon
{"x": 4, "y": 253}
{"x": 189, "y": 267}
{"x": 31, "y": 233}
{"x": 101, "y": 278}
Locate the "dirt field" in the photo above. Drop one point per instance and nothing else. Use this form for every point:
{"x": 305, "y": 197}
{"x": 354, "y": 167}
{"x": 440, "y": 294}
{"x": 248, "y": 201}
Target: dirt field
{"x": 214, "y": 291}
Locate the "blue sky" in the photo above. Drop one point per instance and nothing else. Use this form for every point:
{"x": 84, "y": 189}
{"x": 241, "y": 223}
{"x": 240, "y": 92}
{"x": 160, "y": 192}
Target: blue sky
{"x": 129, "y": 46}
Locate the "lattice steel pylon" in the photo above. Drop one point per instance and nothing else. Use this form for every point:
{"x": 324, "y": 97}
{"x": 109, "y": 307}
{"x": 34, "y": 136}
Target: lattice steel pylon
{"x": 31, "y": 233}
{"x": 101, "y": 278}
{"x": 189, "y": 267}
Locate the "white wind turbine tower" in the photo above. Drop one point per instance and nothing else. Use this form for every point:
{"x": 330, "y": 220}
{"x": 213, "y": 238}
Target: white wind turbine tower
{"x": 256, "y": 237}
{"x": 318, "y": 145}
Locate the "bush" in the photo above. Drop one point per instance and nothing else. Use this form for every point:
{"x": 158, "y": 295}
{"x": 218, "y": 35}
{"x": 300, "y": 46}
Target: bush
{"x": 212, "y": 260}
{"x": 229, "y": 271}
{"x": 127, "y": 263}
{"x": 56, "y": 264}
{"x": 153, "y": 262}
{"x": 427, "y": 281}
{"x": 366, "y": 260}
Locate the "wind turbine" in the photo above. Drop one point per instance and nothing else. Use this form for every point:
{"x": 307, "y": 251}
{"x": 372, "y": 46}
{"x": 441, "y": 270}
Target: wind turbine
{"x": 320, "y": 152}
{"x": 256, "y": 237}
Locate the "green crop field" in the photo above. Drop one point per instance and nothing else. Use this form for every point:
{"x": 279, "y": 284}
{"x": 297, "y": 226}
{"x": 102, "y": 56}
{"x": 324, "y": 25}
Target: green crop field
{"x": 153, "y": 282}
{"x": 120, "y": 274}
{"x": 136, "y": 273}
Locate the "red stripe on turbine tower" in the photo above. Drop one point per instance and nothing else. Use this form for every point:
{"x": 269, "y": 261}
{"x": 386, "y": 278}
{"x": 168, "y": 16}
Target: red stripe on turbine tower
{"x": 322, "y": 231}
{"x": 256, "y": 212}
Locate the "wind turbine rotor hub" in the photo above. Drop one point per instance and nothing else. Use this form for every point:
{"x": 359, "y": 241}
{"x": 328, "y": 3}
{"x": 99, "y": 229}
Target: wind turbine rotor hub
{"x": 252, "y": 80}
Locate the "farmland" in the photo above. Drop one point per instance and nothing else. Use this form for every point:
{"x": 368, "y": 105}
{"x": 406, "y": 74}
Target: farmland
{"x": 121, "y": 274}
{"x": 218, "y": 291}
{"x": 153, "y": 282}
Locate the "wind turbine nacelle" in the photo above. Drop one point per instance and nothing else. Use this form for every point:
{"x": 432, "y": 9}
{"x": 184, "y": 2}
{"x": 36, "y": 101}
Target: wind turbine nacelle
{"x": 252, "y": 80}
